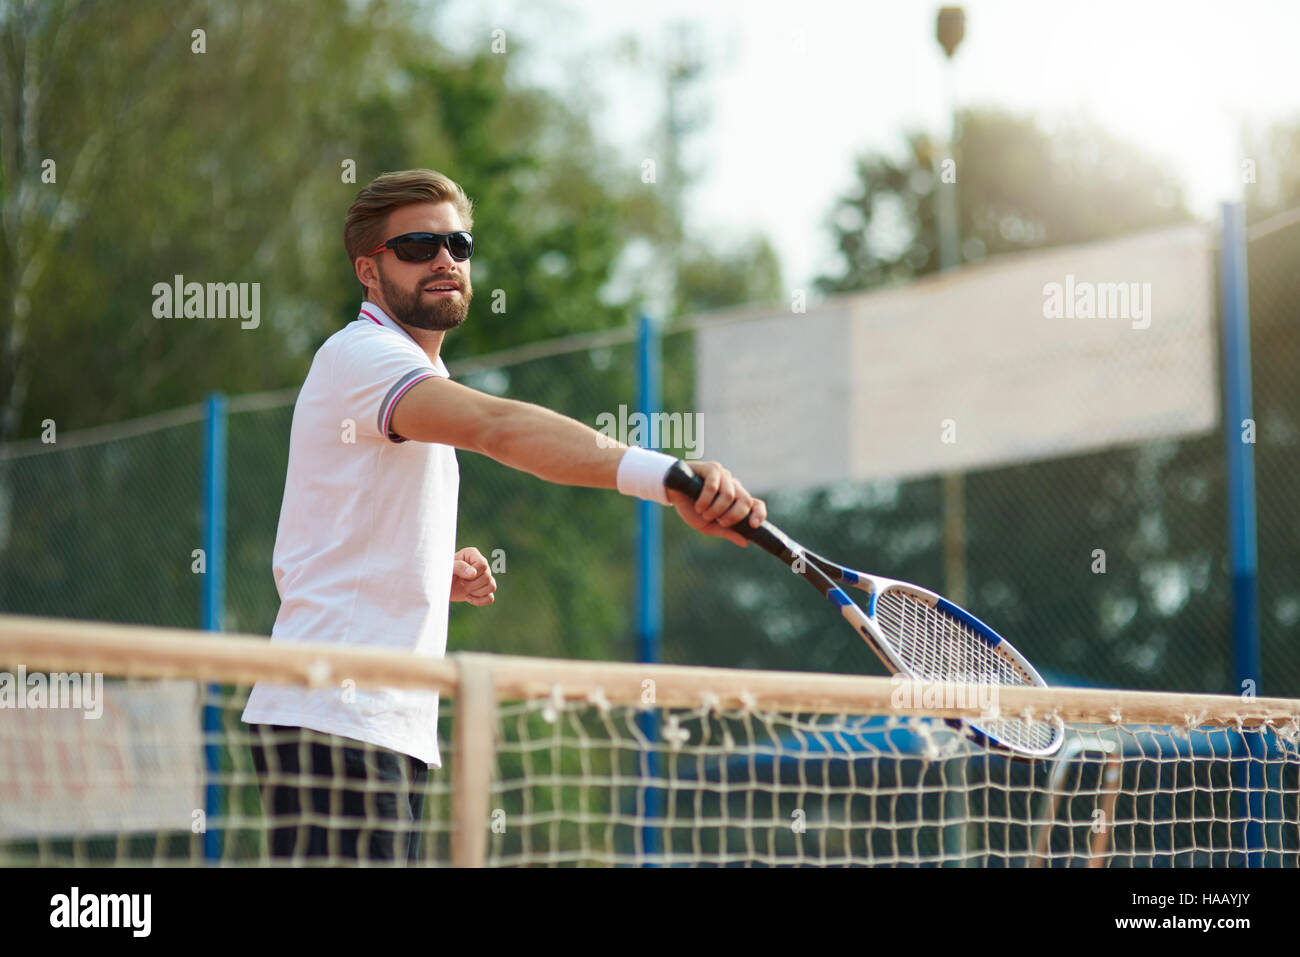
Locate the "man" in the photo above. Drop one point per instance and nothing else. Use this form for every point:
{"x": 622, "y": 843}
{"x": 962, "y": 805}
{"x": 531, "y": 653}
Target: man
{"x": 365, "y": 550}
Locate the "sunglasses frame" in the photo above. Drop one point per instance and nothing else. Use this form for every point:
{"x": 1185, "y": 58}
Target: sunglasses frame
{"x": 434, "y": 240}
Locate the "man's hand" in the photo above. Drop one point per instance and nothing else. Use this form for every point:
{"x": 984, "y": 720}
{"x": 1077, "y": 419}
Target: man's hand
{"x": 471, "y": 578}
{"x": 722, "y": 503}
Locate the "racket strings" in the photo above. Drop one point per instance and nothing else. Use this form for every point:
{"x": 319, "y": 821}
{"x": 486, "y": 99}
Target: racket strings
{"x": 935, "y": 646}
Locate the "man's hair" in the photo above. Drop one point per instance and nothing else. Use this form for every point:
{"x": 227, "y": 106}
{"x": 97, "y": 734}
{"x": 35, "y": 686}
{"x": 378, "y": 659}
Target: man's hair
{"x": 363, "y": 230}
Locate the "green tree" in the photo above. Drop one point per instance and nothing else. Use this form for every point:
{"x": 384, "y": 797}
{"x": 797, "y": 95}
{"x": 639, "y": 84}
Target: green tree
{"x": 1019, "y": 185}
{"x": 230, "y": 162}
{"x": 709, "y": 279}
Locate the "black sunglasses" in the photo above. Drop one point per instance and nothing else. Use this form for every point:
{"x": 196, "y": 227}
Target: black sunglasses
{"x": 421, "y": 247}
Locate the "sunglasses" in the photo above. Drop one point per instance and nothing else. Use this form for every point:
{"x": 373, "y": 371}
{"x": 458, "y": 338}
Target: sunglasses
{"x": 421, "y": 247}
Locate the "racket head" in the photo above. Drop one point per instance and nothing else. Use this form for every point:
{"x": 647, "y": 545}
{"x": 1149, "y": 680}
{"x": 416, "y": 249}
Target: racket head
{"x": 926, "y": 637}
{"x": 914, "y": 631}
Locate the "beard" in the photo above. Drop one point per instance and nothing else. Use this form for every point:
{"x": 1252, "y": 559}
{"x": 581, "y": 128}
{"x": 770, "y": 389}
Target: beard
{"x": 411, "y": 308}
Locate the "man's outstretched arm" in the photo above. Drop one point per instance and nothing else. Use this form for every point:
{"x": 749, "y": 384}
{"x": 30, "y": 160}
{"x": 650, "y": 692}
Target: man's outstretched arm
{"x": 556, "y": 448}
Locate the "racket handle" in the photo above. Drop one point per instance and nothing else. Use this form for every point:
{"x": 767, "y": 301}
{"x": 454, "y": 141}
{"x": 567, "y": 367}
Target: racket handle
{"x": 682, "y": 478}
{"x": 817, "y": 571}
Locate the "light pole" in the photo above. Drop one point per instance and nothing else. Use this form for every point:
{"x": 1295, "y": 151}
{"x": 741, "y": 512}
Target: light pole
{"x": 950, "y": 28}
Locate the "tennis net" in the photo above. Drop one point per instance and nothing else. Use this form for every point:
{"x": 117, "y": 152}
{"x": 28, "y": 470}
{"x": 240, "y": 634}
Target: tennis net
{"x": 124, "y": 746}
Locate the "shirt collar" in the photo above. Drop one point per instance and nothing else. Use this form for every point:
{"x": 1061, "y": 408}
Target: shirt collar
{"x": 373, "y": 314}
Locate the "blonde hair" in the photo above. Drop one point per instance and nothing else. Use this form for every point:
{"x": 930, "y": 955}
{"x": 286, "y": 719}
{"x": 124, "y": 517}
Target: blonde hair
{"x": 367, "y": 218}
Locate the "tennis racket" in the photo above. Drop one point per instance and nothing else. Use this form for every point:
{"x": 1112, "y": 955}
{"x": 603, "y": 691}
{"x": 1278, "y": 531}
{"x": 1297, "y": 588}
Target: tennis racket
{"x": 913, "y": 631}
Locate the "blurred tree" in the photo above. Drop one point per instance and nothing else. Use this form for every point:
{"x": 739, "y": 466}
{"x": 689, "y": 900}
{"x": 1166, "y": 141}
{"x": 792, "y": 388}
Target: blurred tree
{"x": 1270, "y": 173}
{"x": 710, "y": 279}
{"x": 1020, "y": 186}
{"x": 216, "y": 157}
{"x": 166, "y": 152}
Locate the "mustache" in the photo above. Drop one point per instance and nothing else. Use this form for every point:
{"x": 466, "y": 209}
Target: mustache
{"x": 449, "y": 281}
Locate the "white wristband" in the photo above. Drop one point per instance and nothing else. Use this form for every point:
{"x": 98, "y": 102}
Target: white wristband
{"x": 641, "y": 474}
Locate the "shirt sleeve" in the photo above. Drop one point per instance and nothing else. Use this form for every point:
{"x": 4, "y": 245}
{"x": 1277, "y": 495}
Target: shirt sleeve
{"x": 372, "y": 372}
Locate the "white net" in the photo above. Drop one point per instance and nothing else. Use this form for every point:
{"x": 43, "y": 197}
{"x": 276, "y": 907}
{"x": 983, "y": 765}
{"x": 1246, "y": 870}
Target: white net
{"x": 586, "y": 785}
{"x": 589, "y": 764}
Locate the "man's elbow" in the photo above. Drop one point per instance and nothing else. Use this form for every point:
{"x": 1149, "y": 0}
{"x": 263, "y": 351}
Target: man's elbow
{"x": 494, "y": 436}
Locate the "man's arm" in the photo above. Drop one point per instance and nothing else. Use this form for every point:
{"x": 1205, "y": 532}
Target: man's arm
{"x": 521, "y": 435}
{"x": 556, "y": 448}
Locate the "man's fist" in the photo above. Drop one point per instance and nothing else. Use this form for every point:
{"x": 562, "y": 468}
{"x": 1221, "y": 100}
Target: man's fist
{"x": 723, "y": 502}
{"x": 471, "y": 578}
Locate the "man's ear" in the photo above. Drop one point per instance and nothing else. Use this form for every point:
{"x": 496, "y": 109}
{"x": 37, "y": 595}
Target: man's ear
{"x": 367, "y": 271}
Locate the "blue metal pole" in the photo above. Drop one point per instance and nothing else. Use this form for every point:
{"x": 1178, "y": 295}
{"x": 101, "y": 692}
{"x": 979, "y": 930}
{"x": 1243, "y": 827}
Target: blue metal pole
{"x": 213, "y": 601}
{"x": 1241, "y": 508}
{"x": 649, "y": 579}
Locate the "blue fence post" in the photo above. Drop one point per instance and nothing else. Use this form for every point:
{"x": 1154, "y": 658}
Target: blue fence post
{"x": 1241, "y": 514}
{"x": 649, "y": 613}
{"x": 212, "y": 604}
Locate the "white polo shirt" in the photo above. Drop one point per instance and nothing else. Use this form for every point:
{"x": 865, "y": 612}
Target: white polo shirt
{"x": 363, "y": 552}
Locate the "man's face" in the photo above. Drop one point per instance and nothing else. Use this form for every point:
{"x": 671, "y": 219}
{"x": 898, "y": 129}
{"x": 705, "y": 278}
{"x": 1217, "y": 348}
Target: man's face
{"x": 409, "y": 289}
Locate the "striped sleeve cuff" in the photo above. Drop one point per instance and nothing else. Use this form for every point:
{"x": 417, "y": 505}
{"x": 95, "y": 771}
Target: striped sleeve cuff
{"x": 399, "y": 389}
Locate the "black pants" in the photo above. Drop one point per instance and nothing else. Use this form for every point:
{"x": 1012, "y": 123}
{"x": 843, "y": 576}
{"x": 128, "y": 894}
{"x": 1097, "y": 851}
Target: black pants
{"x": 373, "y": 798}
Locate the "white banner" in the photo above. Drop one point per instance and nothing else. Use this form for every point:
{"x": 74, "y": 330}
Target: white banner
{"x": 136, "y": 767}
{"x": 1033, "y": 356}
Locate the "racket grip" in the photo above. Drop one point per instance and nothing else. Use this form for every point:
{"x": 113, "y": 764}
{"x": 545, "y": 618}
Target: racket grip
{"x": 682, "y": 478}
{"x": 819, "y": 572}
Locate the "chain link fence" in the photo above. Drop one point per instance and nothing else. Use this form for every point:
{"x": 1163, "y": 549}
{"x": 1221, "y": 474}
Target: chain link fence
{"x": 104, "y": 524}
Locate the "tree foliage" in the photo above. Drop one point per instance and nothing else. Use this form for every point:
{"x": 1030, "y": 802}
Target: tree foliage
{"x": 232, "y": 162}
{"x": 1019, "y": 185}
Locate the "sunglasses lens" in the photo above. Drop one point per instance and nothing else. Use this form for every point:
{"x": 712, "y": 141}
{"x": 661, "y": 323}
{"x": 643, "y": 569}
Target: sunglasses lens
{"x": 416, "y": 252}
{"x": 460, "y": 245}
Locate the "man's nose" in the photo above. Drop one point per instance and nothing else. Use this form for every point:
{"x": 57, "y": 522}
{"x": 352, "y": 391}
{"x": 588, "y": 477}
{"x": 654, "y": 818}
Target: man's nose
{"x": 442, "y": 261}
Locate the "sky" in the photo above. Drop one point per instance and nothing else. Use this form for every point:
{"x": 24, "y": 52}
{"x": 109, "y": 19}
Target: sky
{"x": 793, "y": 92}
